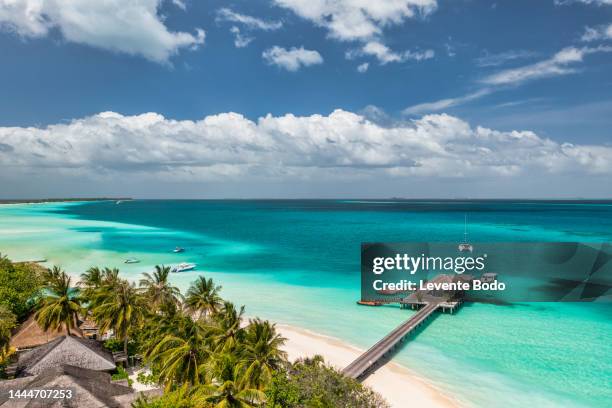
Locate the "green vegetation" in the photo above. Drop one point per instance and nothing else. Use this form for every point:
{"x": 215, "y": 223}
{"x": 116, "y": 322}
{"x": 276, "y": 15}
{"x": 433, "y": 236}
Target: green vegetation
{"x": 19, "y": 285}
{"x": 312, "y": 383}
{"x": 121, "y": 374}
{"x": 199, "y": 348}
{"x": 7, "y": 322}
{"x": 60, "y": 305}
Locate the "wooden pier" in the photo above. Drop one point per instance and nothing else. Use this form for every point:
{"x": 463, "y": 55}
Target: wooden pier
{"x": 426, "y": 303}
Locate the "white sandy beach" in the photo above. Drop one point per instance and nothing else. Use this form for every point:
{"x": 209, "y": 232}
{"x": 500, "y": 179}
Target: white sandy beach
{"x": 400, "y": 387}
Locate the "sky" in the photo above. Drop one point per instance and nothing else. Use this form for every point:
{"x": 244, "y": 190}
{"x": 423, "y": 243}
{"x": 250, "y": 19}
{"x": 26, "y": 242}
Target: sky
{"x": 306, "y": 98}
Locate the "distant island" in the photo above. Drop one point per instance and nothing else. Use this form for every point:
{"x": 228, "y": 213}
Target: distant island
{"x": 60, "y": 200}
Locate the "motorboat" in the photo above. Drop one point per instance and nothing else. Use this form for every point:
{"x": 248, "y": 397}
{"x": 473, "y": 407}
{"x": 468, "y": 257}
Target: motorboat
{"x": 183, "y": 267}
{"x": 131, "y": 261}
{"x": 178, "y": 249}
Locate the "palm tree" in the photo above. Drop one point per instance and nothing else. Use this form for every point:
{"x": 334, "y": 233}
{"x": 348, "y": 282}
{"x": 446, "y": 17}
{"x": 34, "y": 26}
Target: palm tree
{"x": 261, "y": 354}
{"x": 226, "y": 327}
{"x": 60, "y": 303}
{"x": 226, "y": 388}
{"x": 118, "y": 306}
{"x": 203, "y": 297}
{"x": 92, "y": 278}
{"x": 7, "y": 323}
{"x": 158, "y": 290}
{"x": 178, "y": 348}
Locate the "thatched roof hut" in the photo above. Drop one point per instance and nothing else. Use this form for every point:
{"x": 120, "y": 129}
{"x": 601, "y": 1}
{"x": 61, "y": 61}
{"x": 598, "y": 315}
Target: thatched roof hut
{"x": 69, "y": 350}
{"x": 30, "y": 334}
{"x": 89, "y": 389}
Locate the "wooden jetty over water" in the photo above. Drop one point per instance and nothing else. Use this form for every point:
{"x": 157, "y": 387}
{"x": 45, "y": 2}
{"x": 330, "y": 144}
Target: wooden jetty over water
{"x": 427, "y": 304}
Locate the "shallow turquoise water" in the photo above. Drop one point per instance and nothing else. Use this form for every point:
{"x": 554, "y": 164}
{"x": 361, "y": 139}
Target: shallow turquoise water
{"x": 298, "y": 262}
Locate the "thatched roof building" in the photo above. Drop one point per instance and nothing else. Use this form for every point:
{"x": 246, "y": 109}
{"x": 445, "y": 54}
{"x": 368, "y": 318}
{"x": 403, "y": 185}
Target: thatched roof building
{"x": 89, "y": 389}
{"x": 70, "y": 350}
{"x": 30, "y": 335}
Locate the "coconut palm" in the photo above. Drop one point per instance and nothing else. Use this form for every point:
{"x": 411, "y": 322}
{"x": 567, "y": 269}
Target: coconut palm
{"x": 178, "y": 347}
{"x": 226, "y": 327}
{"x": 227, "y": 389}
{"x": 118, "y": 306}
{"x": 203, "y": 297}
{"x": 260, "y": 353}
{"x": 59, "y": 304}
{"x": 158, "y": 290}
{"x": 7, "y": 323}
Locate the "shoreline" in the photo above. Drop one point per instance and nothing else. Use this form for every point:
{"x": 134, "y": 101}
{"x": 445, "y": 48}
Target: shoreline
{"x": 400, "y": 386}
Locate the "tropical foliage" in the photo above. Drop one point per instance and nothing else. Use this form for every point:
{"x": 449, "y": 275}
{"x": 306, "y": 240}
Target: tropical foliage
{"x": 20, "y": 283}
{"x": 199, "y": 348}
{"x": 7, "y": 323}
{"x": 60, "y": 303}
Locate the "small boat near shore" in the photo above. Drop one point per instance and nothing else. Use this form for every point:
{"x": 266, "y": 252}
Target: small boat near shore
{"x": 183, "y": 267}
{"x": 131, "y": 261}
{"x": 178, "y": 249}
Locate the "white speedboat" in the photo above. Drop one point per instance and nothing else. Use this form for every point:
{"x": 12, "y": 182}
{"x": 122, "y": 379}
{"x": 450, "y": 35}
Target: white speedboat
{"x": 183, "y": 267}
{"x": 178, "y": 249}
{"x": 131, "y": 260}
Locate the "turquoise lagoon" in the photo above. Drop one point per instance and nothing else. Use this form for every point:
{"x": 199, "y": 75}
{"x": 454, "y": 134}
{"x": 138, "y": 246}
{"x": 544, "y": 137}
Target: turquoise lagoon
{"x": 297, "y": 262}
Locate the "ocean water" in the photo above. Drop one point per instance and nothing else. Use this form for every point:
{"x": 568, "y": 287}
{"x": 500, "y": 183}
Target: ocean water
{"x": 297, "y": 262}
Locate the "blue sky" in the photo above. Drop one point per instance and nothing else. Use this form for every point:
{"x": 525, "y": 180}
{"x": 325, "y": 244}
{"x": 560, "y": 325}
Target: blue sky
{"x": 508, "y": 66}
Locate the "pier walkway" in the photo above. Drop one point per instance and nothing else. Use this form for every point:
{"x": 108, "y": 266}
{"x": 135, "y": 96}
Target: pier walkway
{"x": 367, "y": 360}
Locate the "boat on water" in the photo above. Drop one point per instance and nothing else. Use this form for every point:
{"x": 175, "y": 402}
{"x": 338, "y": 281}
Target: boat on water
{"x": 131, "y": 261}
{"x": 178, "y": 249}
{"x": 183, "y": 267}
{"x": 465, "y": 246}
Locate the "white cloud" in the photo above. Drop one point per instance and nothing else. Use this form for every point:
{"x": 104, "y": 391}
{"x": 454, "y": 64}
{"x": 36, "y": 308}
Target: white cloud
{"x": 445, "y": 103}
{"x": 126, "y": 26}
{"x": 559, "y": 64}
{"x": 385, "y": 55}
{"x": 291, "y": 59}
{"x": 180, "y": 4}
{"x": 240, "y": 40}
{"x": 594, "y": 2}
{"x": 597, "y": 33}
{"x": 349, "y": 20}
{"x": 491, "y": 60}
{"x": 363, "y": 67}
{"x": 341, "y": 145}
{"x": 226, "y": 14}
{"x": 249, "y": 23}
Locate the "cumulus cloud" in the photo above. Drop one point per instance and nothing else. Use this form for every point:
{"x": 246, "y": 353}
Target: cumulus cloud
{"x": 340, "y": 145}
{"x": 385, "y": 55}
{"x": 559, "y": 64}
{"x": 291, "y": 59}
{"x": 349, "y": 20}
{"x": 126, "y": 26}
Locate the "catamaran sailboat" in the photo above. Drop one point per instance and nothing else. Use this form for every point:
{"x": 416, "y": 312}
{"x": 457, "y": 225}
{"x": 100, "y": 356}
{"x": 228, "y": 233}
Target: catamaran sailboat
{"x": 465, "y": 246}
